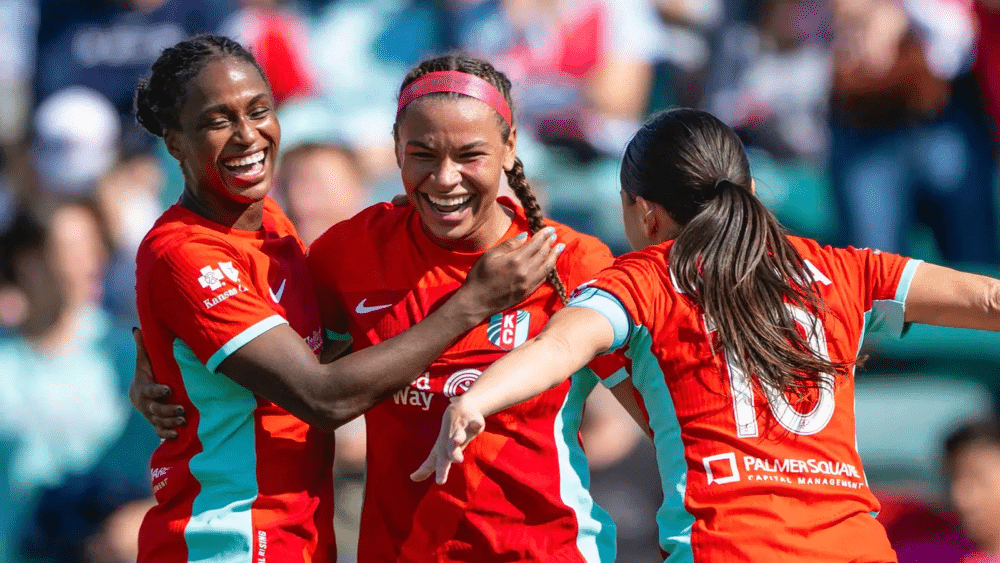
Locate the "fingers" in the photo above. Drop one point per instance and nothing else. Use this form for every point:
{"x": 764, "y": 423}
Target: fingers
{"x": 160, "y": 410}
{"x": 426, "y": 468}
{"x": 549, "y": 262}
{"x": 541, "y": 241}
{"x": 442, "y": 466}
{"x": 154, "y": 392}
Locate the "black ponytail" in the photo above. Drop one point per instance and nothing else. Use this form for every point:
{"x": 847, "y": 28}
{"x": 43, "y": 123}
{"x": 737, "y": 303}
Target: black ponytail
{"x": 731, "y": 256}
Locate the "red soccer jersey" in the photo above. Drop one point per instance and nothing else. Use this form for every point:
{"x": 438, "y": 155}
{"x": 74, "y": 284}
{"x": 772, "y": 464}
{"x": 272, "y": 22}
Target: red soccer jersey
{"x": 521, "y": 494}
{"x": 245, "y": 480}
{"x": 747, "y": 478}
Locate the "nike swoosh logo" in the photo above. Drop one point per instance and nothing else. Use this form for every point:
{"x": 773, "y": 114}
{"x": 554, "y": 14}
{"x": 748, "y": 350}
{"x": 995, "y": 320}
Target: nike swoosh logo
{"x": 361, "y": 309}
{"x": 281, "y": 290}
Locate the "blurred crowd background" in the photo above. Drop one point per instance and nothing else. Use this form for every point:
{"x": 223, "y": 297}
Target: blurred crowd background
{"x": 868, "y": 122}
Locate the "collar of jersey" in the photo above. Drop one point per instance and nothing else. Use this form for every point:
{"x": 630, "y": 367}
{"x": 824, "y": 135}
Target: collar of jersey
{"x": 270, "y": 207}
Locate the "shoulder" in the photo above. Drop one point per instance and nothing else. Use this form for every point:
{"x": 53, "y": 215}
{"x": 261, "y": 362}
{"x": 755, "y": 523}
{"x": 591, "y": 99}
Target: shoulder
{"x": 654, "y": 258}
{"x": 184, "y": 246}
{"x": 371, "y": 225}
{"x": 585, "y": 255}
{"x": 276, "y": 219}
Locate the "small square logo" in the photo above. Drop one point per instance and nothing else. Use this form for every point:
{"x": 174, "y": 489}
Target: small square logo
{"x": 509, "y": 329}
{"x": 721, "y": 469}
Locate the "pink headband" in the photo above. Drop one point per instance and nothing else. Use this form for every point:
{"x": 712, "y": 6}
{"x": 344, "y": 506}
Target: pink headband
{"x": 458, "y": 82}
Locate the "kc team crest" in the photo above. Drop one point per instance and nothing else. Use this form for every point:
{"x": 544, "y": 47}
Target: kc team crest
{"x": 509, "y": 329}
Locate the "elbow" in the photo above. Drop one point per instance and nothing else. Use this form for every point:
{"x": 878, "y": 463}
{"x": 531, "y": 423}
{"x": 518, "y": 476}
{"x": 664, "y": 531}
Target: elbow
{"x": 327, "y": 418}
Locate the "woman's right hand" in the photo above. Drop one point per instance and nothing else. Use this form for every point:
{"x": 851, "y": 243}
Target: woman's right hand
{"x": 148, "y": 397}
{"x": 509, "y": 272}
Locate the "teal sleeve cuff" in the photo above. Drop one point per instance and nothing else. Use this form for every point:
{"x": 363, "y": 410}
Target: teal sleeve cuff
{"x": 242, "y": 338}
{"x": 608, "y": 305}
{"x": 889, "y": 315}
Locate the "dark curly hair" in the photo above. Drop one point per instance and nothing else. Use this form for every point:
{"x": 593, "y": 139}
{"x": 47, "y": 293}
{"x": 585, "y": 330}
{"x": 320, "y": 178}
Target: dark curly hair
{"x": 515, "y": 176}
{"x": 159, "y": 98}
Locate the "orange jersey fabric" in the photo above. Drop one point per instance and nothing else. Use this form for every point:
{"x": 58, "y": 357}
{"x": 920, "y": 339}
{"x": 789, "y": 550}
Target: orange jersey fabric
{"x": 245, "y": 480}
{"x": 521, "y": 494}
{"x": 747, "y": 478}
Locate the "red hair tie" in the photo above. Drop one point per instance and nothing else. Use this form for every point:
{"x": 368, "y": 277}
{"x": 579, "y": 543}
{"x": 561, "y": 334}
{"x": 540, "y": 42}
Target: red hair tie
{"x": 458, "y": 82}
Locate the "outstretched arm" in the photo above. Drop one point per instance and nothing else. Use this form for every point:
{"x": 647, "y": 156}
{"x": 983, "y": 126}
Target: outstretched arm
{"x": 945, "y": 297}
{"x": 571, "y": 339}
{"x": 279, "y": 366}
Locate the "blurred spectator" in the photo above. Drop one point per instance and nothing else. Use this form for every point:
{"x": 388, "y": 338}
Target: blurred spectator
{"x": 583, "y": 68}
{"x": 910, "y": 141}
{"x": 778, "y": 100}
{"x": 91, "y": 518}
{"x": 128, "y": 197}
{"x": 988, "y": 56}
{"x": 76, "y": 140}
{"x": 581, "y": 72}
{"x": 278, "y": 38}
{"x": 920, "y": 531}
{"x": 18, "y": 32}
{"x": 59, "y": 399}
{"x": 108, "y": 45}
{"x": 321, "y": 179}
{"x": 771, "y": 82}
{"x": 973, "y": 458}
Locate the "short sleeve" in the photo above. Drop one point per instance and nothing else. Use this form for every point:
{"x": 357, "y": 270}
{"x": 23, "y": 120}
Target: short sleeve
{"x": 621, "y": 293}
{"x": 885, "y": 280}
{"x": 324, "y": 266}
{"x": 610, "y": 367}
{"x": 204, "y": 294}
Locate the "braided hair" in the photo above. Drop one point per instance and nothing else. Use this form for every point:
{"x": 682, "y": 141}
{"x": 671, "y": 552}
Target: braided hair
{"x": 159, "y": 98}
{"x": 516, "y": 179}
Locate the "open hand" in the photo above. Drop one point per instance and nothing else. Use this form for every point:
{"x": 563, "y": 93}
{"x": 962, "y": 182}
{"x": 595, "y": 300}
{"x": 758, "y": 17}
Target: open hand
{"x": 458, "y": 427}
{"x": 509, "y": 272}
{"x": 148, "y": 397}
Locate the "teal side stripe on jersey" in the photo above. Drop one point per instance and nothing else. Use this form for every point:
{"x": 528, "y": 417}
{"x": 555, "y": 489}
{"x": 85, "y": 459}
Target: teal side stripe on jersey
{"x": 608, "y": 305}
{"x": 330, "y": 335}
{"x": 889, "y": 315}
{"x": 596, "y": 537}
{"x": 615, "y": 378}
{"x": 672, "y": 519}
{"x": 242, "y": 338}
{"x": 221, "y": 528}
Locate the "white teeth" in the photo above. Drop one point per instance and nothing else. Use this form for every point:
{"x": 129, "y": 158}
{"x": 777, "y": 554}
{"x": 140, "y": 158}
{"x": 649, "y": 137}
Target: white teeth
{"x": 246, "y": 160}
{"x": 449, "y": 201}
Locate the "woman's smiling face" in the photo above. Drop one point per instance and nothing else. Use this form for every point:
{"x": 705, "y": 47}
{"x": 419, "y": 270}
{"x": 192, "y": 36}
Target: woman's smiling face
{"x": 452, "y": 152}
{"x": 228, "y": 137}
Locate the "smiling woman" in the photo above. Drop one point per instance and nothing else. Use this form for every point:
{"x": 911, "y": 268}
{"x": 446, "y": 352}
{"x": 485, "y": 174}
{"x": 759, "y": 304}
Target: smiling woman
{"x": 229, "y": 314}
{"x": 523, "y": 495}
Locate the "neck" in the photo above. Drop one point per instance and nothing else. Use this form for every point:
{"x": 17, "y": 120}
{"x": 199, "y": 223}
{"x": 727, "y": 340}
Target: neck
{"x": 224, "y": 211}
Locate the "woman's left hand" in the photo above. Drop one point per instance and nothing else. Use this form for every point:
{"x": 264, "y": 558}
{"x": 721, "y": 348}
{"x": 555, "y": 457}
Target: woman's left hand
{"x": 459, "y": 426}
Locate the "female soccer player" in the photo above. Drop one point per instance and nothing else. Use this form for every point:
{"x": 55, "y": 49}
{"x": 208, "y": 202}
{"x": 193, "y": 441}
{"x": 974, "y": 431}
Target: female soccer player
{"x": 231, "y": 323}
{"x": 743, "y": 343}
{"x": 523, "y": 495}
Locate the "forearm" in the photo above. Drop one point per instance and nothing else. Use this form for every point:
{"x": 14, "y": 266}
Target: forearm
{"x": 571, "y": 339}
{"x": 945, "y": 297}
{"x": 355, "y": 383}
{"x": 529, "y": 370}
